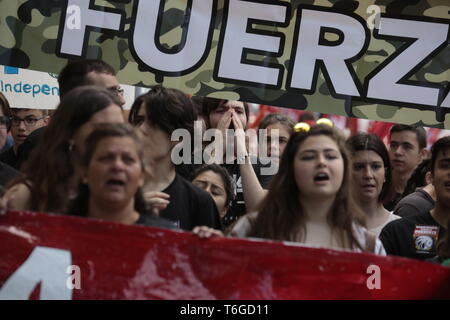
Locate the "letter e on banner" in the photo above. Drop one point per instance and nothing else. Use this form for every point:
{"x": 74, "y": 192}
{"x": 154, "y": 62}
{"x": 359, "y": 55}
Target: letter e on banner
{"x": 236, "y": 42}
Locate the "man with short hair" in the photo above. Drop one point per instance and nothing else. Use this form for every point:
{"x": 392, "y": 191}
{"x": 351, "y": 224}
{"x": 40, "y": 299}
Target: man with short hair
{"x": 416, "y": 236}
{"x": 407, "y": 148}
{"x": 89, "y": 72}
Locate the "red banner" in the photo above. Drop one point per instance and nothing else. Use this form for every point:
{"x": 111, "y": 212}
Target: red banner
{"x": 56, "y": 257}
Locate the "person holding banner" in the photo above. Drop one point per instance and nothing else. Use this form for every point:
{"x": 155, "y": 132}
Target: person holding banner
{"x": 112, "y": 176}
{"x": 371, "y": 178}
{"x": 309, "y": 200}
{"x": 49, "y": 180}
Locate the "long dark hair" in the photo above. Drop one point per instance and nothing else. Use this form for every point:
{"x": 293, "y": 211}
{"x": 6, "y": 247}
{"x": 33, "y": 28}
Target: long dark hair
{"x": 80, "y": 205}
{"x": 281, "y": 214}
{"x": 50, "y": 168}
{"x": 371, "y": 142}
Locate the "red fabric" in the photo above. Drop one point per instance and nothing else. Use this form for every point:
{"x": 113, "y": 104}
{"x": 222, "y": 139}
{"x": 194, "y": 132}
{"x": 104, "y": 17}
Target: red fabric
{"x": 133, "y": 262}
{"x": 381, "y": 129}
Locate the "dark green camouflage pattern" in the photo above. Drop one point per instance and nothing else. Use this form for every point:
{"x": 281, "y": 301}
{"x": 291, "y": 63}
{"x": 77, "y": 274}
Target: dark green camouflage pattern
{"x": 29, "y": 30}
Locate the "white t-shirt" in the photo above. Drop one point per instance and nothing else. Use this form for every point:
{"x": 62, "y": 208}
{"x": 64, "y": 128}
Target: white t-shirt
{"x": 242, "y": 228}
{"x": 376, "y": 231}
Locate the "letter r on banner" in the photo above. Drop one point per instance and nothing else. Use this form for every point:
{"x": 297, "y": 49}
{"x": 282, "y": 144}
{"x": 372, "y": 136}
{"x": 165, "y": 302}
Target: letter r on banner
{"x": 336, "y": 58}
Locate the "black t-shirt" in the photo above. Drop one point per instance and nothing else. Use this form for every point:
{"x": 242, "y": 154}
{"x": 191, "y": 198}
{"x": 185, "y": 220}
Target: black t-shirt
{"x": 389, "y": 206}
{"x": 417, "y": 202}
{"x": 238, "y": 208}
{"x": 7, "y": 173}
{"x": 189, "y": 206}
{"x": 152, "y": 221}
{"x": 412, "y": 237}
{"x": 10, "y": 158}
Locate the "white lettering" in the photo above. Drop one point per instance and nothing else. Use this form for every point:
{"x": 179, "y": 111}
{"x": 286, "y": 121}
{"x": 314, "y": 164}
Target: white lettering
{"x": 73, "y": 17}
{"x": 46, "y": 266}
{"x": 309, "y": 50}
{"x": 373, "y": 21}
{"x": 374, "y": 281}
{"x": 73, "y": 38}
{"x": 237, "y": 39}
{"x": 193, "y": 45}
{"x": 74, "y": 280}
{"x": 384, "y": 84}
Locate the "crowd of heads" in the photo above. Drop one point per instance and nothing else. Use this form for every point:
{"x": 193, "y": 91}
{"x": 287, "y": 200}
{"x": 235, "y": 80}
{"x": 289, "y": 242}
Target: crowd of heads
{"x": 87, "y": 161}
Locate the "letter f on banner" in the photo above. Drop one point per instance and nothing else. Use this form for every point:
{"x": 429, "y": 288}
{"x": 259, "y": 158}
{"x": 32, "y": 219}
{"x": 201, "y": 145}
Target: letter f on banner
{"x": 78, "y": 17}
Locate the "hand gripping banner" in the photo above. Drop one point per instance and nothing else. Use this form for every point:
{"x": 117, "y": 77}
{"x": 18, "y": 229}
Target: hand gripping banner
{"x": 57, "y": 257}
{"x": 379, "y": 60}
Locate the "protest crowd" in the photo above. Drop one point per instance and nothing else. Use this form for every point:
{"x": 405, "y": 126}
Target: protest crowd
{"x": 302, "y": 180}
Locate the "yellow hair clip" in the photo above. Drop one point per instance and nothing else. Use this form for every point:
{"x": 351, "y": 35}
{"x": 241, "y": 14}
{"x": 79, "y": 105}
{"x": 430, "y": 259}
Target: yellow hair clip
{"x": 305, "y": 127}
{"x": 325, "y": 121}
{"x": 302, "y": 127}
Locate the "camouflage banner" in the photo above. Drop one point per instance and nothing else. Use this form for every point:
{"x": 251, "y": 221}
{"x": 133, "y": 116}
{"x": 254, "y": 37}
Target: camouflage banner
{"x": 384, "y": 60}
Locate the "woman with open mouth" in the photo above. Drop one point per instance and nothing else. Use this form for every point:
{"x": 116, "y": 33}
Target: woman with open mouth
{"x": 49, "y": 176}
{"x": 371, "y": 178}
{"x": 309, "y": 200}
{"x": 112, "y": 174}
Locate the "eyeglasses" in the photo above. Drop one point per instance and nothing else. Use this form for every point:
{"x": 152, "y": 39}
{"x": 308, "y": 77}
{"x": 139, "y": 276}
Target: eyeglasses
{"x": 305, "y": 127}
{"x": 117, "y": 90}
{"x": 28, "y": 121}
{"x": 4, "y": 122}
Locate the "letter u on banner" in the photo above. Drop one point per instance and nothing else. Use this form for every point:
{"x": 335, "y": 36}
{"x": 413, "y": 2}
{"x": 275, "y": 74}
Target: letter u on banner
{"x": 195, "y": 39}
